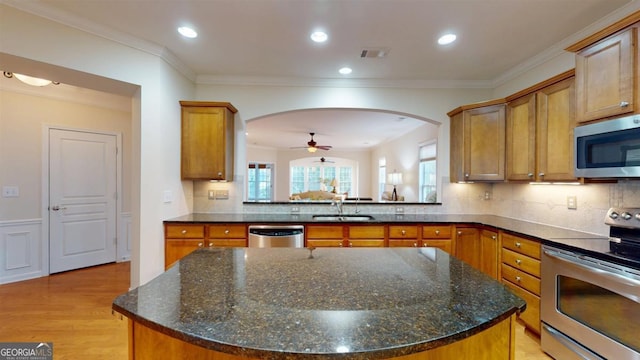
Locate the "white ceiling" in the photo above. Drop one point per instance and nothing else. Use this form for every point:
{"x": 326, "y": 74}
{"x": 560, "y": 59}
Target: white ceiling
{"x": 268, "y": 41}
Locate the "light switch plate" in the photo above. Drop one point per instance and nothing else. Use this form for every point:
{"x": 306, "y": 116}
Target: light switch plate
{"x": 222, "y": 194}
{"x": 10, "y": 191}
{"x": 167, "y": 196}
{"x": 572, "y": 202}
{"x": 212, "y": 194}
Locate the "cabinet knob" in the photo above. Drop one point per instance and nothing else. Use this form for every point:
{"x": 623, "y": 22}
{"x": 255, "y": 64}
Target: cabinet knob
{"x": 459, "y": 232}
{"x": 518, "y": 261}
{"x": 404, "y": 232}
{"x": 518, "y": 244}
{"x": 530, "y": 175}
{"x": 226, "y": 231}
{"x": 494, "y": 237}
{"x": 415, "y": 244}
{"x": 466, "y": 175}
{"x": 220, "y": 173}
{"x": 350, "y": 244}
{"x": 541, "y": 174}
{"x": 624, "y": 104}
{"x": 184, "y": 231}
{"x": 200, "y": 244}
{"x": 437, "y": 232}
{"x": 210, "y": 244}
{"x": 518, "y": 278}
{"x": 340, "y": 244}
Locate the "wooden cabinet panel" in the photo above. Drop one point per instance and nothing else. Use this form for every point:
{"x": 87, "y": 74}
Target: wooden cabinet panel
{"x": 403, "y": 231}
{"x": 521, "y": 138}
{"x": 324, "y": 231}
{"x": 521, "y": 245}
{"x": 531, "y": 315}
{"x": 175, "y": 250}
{"x": 445, "y": 245}
{"x": 437, "y": 231}
{"x": 227, "y": 243}
{"x": 366, "y": 243}
{"x": 521, "y": 278}
{"x": 489, "y": 252}
{"x": 605, "y": 77}
{"x": 228, "y": 231}
{"x": 521, "y": 262}
{"x": 184, "y": 231}
{"x": 324, "y": 243}
{"x": 366, "y": 232}
{"x": 403, "y": 243}
{"x": 468, "y": 245}
{"x": 484, "y": 143}
{"x": 208, "y": 136}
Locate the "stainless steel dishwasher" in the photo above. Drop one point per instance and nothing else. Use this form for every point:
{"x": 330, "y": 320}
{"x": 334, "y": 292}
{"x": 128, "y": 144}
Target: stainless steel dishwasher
{"x": 269, "y": 236}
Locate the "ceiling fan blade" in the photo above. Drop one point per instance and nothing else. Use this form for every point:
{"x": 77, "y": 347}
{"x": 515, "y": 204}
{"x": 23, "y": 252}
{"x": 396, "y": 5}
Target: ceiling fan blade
{"x": 323, "y": 147}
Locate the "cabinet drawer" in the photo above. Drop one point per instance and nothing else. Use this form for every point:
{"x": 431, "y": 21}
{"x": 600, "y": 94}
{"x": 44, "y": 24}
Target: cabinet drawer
{"x": 521, "y": 262}
{"x": 444, "y": 245}
{"x": 185, "y": 231}
{"x": 531, "y": 315}
{"x": 437, "y": 231}
{"x": 324, "y": 232}
{"x": 403, "y": 243}
{"x": 366, "y": 243}
{"x": 324, "y": 243}
{"x": 402, "y": 231}
{"x": 521, "y": 278}
{"x": 366, "y": 232}
{"x": 234, "y": 231}
{"x": 227, "y": 243}
{"x": 520, "y": 245}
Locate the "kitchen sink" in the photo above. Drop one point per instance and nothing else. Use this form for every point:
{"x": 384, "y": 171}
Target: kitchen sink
{"x": 348, "y": 217}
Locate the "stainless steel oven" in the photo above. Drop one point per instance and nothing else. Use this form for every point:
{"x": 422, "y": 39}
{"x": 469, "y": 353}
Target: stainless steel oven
{"x": 591, "y": 303}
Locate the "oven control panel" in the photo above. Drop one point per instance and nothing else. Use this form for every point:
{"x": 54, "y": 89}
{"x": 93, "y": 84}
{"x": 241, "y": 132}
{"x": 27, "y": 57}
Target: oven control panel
{"x": 623, "y": 217}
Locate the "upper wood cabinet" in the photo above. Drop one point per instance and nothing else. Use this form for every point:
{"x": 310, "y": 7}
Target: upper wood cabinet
{"x": 539, "y": 131}
{"x": 606, "y": 72}
{"x": 207, "y": 140}
{"x": 478, "y": 142}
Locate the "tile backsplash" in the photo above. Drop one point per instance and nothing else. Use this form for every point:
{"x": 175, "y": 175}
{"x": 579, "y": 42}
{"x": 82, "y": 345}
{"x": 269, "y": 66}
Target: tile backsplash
{"x": 545, "y": 204}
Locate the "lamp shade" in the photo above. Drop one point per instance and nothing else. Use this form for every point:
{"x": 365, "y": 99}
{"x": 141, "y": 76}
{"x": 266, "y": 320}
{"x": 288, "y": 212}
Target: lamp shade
{"x": 395, "y": 178}
{"x": 334, "y": 183}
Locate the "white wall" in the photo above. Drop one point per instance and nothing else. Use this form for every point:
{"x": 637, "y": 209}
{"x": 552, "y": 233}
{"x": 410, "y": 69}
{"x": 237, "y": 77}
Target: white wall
{"x": 51, "y": 50}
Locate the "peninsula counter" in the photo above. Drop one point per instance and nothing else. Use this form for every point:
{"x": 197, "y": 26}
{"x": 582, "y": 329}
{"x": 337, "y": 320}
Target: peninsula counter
{"x": 329, "y": 303}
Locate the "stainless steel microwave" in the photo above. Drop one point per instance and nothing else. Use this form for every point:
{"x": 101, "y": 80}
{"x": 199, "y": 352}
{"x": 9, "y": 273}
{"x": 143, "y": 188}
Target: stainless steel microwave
{"x": 608, "y": 149}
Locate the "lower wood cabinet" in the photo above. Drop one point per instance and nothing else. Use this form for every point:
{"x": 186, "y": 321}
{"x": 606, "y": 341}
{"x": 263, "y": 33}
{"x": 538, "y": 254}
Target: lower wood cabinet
{"x": 182, "y": 238}
{"x": 366, "y": 236}
{"x": 468, "y": 245}
{"x": 489, "y": 252}
{"x": 439, "y": 236}
{"x": 227, "y": 235}
{"x": 479, "y": 247}
{"x": 520, "y": 271}
{"x": 403, "y": 235}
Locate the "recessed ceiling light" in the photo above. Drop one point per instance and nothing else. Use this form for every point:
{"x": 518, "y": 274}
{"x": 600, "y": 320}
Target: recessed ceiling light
{"x": 187, "y": 32}
{"x": 345, "y": 71}
{"x": 319, "y": 36}
{"x": 446, "y": 39}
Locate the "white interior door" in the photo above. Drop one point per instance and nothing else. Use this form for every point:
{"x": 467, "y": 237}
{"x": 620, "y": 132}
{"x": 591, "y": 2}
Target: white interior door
{"x": 82, "y": 199}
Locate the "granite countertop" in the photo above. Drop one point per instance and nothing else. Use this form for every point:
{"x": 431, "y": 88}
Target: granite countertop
{"x": 361, "y": 303}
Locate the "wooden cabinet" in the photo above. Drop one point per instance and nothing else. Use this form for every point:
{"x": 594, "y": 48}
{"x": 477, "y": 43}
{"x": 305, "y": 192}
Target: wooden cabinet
{"x": 366, "y": 236}
{"x": 478, "y": 142}
{"x": 227, "y": 235}
{"x": 324, "y": 235}
{"x": 440, "y": 236}
{"x": 539, "y": 131}
{"x": 606, "y": 73}
{"x": 489, "y": 252}
{"x": 181, "y": 240}
{"x": 207, "y": 140}
{"x": 468, "y": 245}
{"x": 520, "y": 271}
{"x": 403, "y": 235}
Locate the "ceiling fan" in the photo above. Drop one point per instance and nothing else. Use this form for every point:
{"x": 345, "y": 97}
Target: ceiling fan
{"x": 312, "y": 146}
{"x": 324, "y": 161}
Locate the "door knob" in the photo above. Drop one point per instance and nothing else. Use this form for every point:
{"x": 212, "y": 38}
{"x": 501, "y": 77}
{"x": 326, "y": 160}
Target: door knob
{"x": 57, "y": 207}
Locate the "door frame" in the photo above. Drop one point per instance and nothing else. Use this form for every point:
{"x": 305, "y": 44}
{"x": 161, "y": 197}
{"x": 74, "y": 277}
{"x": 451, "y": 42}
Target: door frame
{"x": 44, "y": 202}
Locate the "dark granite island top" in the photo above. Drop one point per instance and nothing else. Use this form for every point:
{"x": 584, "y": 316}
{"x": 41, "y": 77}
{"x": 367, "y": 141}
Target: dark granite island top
{"x": 367, "y": 303}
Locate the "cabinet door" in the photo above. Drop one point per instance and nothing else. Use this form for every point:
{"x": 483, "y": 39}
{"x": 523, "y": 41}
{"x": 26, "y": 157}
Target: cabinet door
{"x": 175, "y": 250}
{"x": 521, "y": 138}
{"x": 207, "y": 143}
{"x": 484, "y": 143}
{"x": 605, "y": 77}
{"x": 468, "y": 246}
{"x": 456, "y": 148}
{"x": 555, "y": 123}
{"x": 490, "y": 247}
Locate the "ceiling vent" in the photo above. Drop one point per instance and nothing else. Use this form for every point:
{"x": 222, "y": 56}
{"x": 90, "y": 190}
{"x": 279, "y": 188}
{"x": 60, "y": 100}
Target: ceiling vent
{"x": 375, "y": 53}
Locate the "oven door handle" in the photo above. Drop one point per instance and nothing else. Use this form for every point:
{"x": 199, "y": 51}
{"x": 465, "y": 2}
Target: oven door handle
{"x": 592, "y": 268}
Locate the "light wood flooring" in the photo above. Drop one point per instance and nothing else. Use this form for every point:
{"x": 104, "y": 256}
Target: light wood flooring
{"x": 73, "y": 310}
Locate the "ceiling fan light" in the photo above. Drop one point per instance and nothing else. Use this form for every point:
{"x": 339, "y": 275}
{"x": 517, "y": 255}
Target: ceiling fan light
{"x": 33, "y": 81}
{"x": 312, "y": 149}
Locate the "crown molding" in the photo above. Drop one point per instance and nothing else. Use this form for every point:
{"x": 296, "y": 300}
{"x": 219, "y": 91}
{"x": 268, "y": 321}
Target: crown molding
{"x": 51, "y": 13}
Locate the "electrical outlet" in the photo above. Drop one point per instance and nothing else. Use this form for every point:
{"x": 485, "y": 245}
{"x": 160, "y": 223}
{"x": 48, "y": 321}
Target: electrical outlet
{"x": 222, "y": 194}
{"x": 572, "y": 202}
{"x": 487, "y": 195}
{"x": 399, "y": 210}
{"x": 212, "y": 194}
{"x": 10, "y": 191}
{"x": 295, "y": 209}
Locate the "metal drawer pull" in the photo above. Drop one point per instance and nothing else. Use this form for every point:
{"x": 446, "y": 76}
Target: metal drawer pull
{"x": 518, "y": 261}
{"x": 200, "y": 244}
{"x": 518, "y": 278}
{"x": 437, "y": 232}
{"x": 226, "y": 231}
{"x": 518, "y": 244}
{"x": 404, "y": 232}
{"x": 210, "y": 244}
{"x": 184, "y": 232}
{"x": 624, "y": 103}
{"x": 494, "y": 237}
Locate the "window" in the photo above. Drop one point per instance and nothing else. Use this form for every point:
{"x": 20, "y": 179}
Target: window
{"x": 259, "y": 184}
{"x": 427, "y": 172}
{"x": 307, "y": 175}
{"x": 382, "y": 175}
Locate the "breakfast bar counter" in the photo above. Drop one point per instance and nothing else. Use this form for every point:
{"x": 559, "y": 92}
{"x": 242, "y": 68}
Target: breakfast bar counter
{"x": 326, "y": 303}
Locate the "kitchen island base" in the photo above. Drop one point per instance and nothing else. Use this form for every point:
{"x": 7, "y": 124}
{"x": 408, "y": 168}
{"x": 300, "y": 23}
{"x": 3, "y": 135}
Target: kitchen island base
{"x": 494, "y": 343}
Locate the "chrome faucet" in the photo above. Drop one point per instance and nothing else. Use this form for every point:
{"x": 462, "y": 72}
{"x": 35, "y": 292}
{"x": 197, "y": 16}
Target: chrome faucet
{"x": 338, "y": 204}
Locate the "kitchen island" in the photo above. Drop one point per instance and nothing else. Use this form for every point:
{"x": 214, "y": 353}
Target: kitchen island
{"x": 370, "y": 303}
